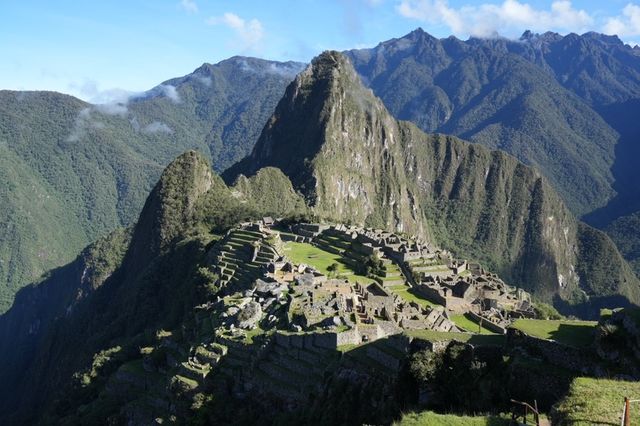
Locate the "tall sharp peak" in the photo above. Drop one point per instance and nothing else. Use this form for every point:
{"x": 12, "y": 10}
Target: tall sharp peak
{"x": 328, "y": 65}
{"x": 297, "y": 130}
{"x": 169, "y": 209}
{"x": 329, "y": 73}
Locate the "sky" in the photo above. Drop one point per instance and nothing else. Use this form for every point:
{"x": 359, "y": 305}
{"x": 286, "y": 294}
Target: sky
{"x": 102, "y": 50}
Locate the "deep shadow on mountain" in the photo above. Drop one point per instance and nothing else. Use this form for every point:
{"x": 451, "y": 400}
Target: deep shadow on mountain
{"x": 623, "y": 117}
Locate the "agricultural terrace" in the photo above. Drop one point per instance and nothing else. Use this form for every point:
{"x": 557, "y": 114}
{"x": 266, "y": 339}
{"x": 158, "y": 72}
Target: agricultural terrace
{"x": 574, "y": 333}
{"x": 463, "y": 321}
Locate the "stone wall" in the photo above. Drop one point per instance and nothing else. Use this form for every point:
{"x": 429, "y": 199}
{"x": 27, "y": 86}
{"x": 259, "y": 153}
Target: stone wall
{"x": 431, "y": 294}
{"x": 433, "y": 346}
{"x": 486, "y": 323}
{"x": 382, "y": 357}
{"x": 409, "y": 324}
{"x": 583, "y": 361}
{"x": 325, "y": 339}
{"x": 349, "y": 337}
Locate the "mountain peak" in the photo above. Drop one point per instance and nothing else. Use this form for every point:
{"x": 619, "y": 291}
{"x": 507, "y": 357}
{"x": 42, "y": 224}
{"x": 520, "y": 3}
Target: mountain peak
{"x": 328, "y": 64}
{"x": 169, "y": 208}
{"x": 297, "y": 130}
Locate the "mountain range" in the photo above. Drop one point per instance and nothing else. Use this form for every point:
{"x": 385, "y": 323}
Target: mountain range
{"x": 563, "y": 104}
{"x": 75, "y": 171}
{"x": 330, "y": 151}
{"x": 560, "y": 104}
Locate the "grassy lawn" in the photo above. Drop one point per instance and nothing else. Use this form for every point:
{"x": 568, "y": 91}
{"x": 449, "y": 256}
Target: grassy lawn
{"x": 476, "y": 339}
{"x": 467, "y": 324}
{"x": 320, "y": 259}
{"x": 598, "y": 402}
{"x": 433, "y": 419}
{"x": 408, "y": 294}
{"x": 571, "y": 333}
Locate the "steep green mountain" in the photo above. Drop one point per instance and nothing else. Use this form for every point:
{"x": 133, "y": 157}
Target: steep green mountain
{"x": 122, "y": 285}
{"x": 484, "y": 91}
{"x": 221, "y": 106}
{"x": 109, "y": 337}
{"x": 73, "y": 172}
{"x": 353, "y": 162}
{"x": 565, "y": 105}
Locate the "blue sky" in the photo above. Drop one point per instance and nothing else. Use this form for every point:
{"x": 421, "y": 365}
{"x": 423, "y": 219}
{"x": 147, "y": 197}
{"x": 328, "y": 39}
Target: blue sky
{"x": 98, "y": 49}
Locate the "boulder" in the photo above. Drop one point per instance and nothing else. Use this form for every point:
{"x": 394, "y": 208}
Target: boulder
{"x": 250, "y": 315}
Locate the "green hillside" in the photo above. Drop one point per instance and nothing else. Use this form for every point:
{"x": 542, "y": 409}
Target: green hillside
{"x": 75, "y": 172}
{"x": 565, "y": 105}
{"x": 147, "y": 324}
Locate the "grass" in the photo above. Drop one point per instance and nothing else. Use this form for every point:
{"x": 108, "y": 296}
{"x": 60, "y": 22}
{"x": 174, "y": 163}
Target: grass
{"x": 466, "y": 323}
{"x": 598, "y": 402}
{"x": 347, "y": 348}
{"x": 192, "y": 384}
{"x": 251, "y": 334}
{"x": 434, "y": 419}
{"x": 476, "y": 339}
{"x": 321, "y": 260}
{"x": 578, "y": 334}
{"x": 409, "y": 294}
{"x": 133, "y": 367}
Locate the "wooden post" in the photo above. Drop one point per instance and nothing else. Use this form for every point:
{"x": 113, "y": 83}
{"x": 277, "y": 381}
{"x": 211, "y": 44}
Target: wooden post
{"x": 627, "y": 420}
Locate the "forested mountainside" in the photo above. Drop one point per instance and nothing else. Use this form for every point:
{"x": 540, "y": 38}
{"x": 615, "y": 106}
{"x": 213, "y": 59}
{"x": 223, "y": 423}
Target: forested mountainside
{"x": 355, "y": 163}
{"x": 74, "y": 172}
{"x": 120, "y": 334}
{"x": 563, "y": 104}
{"x": 124, "y": 284}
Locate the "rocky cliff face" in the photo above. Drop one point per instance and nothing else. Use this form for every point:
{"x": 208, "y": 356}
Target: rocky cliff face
{"x": 355, "y": 163}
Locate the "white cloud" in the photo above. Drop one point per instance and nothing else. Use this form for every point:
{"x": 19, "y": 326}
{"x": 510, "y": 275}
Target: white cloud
{"x": 157, "y": 127}
{"x": 189, "y": 6}
{"x": 250, "y": 32}
{"x": 83, "y": 123}
{"x": 118, "y": 108}
{"x": 90, "y": 91}
{"x": 170, "y": 92}
{"x": 627, "y": 24}
{"x": 488, "y": 19}
{"x": 204, "y": 80}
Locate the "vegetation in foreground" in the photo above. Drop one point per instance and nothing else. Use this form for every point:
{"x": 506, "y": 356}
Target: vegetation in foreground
{"x": 434, "y": 419}
{"x": 596, "y": 402}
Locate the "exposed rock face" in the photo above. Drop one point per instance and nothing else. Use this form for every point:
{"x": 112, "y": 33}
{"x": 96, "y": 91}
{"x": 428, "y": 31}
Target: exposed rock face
{"x": 250, "y": 315}
{"x": 355, "y": 163}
